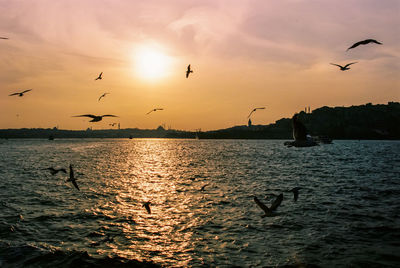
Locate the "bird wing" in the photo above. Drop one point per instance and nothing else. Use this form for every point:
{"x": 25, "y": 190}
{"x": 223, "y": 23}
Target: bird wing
{"x": 85, "y": 115}
{"x": 262, "y": 206}
{"x": 188, "y": 68}
{"x": 374, "y": 41}
{"x": 355, "y": 45}
{"x": 26, "y": 91}
{"x": 3, "y": 37}
{"x": 340, "y": 66}
{"x": 71, "y": 173}
{"x": 187, "y": 74}
{"x": 260, "y": 108}
{"x": 109, "y": 115}
{"x": 251, "y": 113}
{"x": 159, "y": 109}
{"x": 13, "y": 94}
{"x": 150, "y": 111}
{"x": 74, "y": 183}
{"x": 347, "y": 65}
{"x": 277, "y": 202}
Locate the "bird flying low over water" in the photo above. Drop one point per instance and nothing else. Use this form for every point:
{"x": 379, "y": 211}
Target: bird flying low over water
{"x": 96, "y": 118}
{"x": 255, "y": 109}
{"x": 268, "y": 210}
{"x": 147, "y": 207}
{"x": 54, "y": 171}
{"x": 364, "y": 42}
{"x": 188, "y": 71}
{"x": 295, "y": 192}
{"x": 102, "y": 96}
{"x": 72, "y": 178}
{"x": 20, "y": 94}
{"x": 344, "y": 68}
{"x": 156, "y": 109}
{"x": 99, "y": 77}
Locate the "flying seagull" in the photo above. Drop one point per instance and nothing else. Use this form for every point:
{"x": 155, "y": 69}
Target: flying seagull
{"x": 188, "y": 71}
{"x": 147, "y": 207}
{"x": 20, "y": 94}
{"x": 344, "y": 68}
{"x": 268, "y": 211}
{"x": 295, "y": 192}
{"x": 5, "y": 38}
{"x": 255, "y": 109}
{"x": 72, "y": 178}
{"x": 364, "y": 42}
{"x": 96, "y": 118}
{"x": 99, "y": 77}
{"x": 156, "y": 109}
{"x": 102, "y": 96}
{"x": 54, "y": 171}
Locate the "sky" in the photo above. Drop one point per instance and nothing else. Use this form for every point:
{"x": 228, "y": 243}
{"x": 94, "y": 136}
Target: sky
{"x": 244, "y": 54}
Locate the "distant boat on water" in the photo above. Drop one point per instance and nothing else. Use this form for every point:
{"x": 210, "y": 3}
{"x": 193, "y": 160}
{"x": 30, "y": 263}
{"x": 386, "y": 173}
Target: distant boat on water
{"x": 51, "y": 137}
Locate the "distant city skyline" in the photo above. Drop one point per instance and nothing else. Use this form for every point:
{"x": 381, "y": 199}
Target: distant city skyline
{"x": 244, "y": 54}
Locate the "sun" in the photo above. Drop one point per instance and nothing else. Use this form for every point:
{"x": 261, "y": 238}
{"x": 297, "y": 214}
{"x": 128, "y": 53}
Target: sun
{"x": 151, "y": 63}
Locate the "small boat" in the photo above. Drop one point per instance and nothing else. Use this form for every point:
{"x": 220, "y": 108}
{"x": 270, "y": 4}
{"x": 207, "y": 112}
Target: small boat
{"x": 130, "y": 137}
{"x": 51, "y": 137}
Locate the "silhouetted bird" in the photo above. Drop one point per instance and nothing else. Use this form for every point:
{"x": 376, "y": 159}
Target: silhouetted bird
{"x": 188, "y": 71}
{"x": 147, "y": 207}
{"x": 102, "y": 96}
{"x": 72, "y": 178}
{"x": 364, "y": 42}
{"x": 96, "y": 118}
{"x": 344, "y": 68}
{"x": 20, "y": 94}
{"x": 54, "y": 171}
{"x": 268, "y": 211}
{"x": 156, "y": 109}
{"x": 295, "y": 192}
{"x": 5, "y": 38}
{"x": 255, "y": 109}
{"x": 99, "y": 77}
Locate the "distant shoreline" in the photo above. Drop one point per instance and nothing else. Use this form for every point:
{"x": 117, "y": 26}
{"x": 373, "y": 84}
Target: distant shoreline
{"x": 363, "y": 122}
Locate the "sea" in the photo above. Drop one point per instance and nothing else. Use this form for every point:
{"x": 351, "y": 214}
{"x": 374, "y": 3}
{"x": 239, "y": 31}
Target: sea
{"x": 201, "y": 195}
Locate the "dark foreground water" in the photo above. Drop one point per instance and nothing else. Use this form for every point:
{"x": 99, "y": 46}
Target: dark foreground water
{"x": 347, "y": 213}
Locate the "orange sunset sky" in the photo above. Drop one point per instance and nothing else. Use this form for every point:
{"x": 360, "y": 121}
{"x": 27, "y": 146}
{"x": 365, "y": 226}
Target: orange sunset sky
{"x": 244, "y": 54}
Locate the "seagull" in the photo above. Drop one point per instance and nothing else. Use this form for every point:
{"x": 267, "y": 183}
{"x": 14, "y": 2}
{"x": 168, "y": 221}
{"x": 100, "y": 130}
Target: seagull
{"x": 268, "y": 211}
{"x": 188, "y": 71}
{"x": 255, "y": 109}
{"x": 96, "y": 118}
{"x": 102, "y": 96}
{"x": 147, "y": 206}
{"x": 99, "y": 77}
{"x": 344, "y": 68}
{"x": 5, "y": 38}
{"x": 20, "y": 94}
{"x": 72, "y": 178}
{"x": 295, "y": 192}
{"x": 364, "y": 42}
{"x": 54, "y": 171}
{"x": 155, "y": 109}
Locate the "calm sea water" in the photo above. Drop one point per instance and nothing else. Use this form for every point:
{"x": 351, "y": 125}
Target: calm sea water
{"x": 347, "y": 213}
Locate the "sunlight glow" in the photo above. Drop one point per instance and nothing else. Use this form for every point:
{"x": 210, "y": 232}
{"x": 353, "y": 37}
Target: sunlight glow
{"x": 151, "y": 63}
